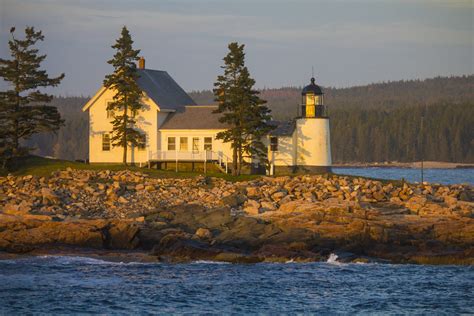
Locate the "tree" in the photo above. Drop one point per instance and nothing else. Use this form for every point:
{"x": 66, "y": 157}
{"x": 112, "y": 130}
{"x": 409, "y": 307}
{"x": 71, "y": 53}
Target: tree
{"x": 24, "y": 109}
{"x": 241, "y": 109}
{"x": 127, "y": 99}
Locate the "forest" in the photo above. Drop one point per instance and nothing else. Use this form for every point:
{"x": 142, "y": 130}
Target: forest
{"x": 373, "y": 123}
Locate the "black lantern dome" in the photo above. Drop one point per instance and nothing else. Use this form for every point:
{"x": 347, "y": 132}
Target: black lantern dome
{"x": 312, "y": 103}
{"x": 312, "y": 88}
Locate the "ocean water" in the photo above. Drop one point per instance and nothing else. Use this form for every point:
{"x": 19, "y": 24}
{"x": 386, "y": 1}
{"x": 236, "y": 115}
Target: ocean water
{"x": 443, "y": 176}
{"x": 82, "y": 285}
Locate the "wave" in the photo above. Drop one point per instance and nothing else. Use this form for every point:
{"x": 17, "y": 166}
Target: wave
{"x": 333, "y": 259}
{"x": 209, "y": 262}
{"x": 72, "y": 260}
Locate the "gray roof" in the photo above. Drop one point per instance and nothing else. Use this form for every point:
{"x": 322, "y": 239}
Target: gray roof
{"x": 283, "y": 128}
{"x": 194, "y": 117}
{"x": 162, "y": 89}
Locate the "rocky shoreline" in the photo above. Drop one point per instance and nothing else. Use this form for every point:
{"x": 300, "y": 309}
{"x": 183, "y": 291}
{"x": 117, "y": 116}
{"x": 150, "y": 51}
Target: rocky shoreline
{"x": 133, "y": 216}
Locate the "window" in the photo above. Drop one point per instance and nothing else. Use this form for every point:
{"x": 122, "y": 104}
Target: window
{"x": 142, "y": 143}
{"x": 110, "y": 113}
{"x": 310, "y": 105}
{"x": 106, "y": 142}
{"x": 183, "y": 144}
{"x": 195, "y": 144}
{"x": 274, "y": 143}
{"x": 171, "y": 143}
{"x": 208, "y": 143}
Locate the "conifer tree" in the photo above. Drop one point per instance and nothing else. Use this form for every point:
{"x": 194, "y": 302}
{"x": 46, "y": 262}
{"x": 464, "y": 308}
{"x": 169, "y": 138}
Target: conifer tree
{"x": 127, "y": 99}
{"x": 24, "y": 109}
{"x": 242, "y": 109}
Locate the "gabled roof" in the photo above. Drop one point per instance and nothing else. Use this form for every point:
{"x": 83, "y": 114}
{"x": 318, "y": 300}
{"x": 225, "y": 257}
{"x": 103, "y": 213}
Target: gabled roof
{"x": 158, "y": 86}
{"x": 282, "y": 128}
{"x": 194, "y": 117}
{"x": 162, "y": 89}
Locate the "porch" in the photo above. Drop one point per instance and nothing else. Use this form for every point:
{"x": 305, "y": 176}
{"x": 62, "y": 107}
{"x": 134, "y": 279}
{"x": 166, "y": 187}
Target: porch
{"x": 176, "y": 157}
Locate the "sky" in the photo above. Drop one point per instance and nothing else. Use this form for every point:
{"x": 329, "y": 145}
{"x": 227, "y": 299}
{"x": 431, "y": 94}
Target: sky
{"x": 348, "y": 42}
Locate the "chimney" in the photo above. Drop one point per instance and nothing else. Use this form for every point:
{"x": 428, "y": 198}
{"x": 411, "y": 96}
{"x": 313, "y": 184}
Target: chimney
{"x": 141, "y": 63}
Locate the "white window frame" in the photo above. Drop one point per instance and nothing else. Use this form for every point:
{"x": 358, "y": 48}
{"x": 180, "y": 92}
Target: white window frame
{"x": 181, "y": 143}
{"x": 142, "y": 143}
{"x": 207, "y": 144}
{"x": 104, "y": 135}
{"x": 197, "y": 149}
{"x": 168, "y": 143}
{"x": 110, "y": 114}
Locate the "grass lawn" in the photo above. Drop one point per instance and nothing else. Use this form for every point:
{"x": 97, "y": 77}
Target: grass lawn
{"x": 40, "y": 166}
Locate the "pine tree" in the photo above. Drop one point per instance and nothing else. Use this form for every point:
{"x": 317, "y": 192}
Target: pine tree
{"x": 127, "y": 99}
{"x": 24, "y": 109}
{"x": 241, "y": 109}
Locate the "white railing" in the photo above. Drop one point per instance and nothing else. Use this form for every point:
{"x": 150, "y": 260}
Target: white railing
{"x": 197, "y": 156}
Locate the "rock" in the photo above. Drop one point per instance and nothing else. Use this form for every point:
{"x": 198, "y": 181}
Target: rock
{"x": 179, "y": 247}
{"x": 122, "y": 200}
{"x": 233, "y": 200}
{"x": 49, "y": 196}
{"x": 252, "y": 191}
{"x": 450, "y": 201}
{"x": 379, "y": 196}
{"x": 252, "y": 207}
{"x": 122, "y": 235}
{"x": 203, "y": 233}
{"x": 233, "y": 257}
{"x": 268, "y": 206}
{"x": 277, "y": 196}
{"x": 149, "y": 188}
{"x": 416, "y": 203}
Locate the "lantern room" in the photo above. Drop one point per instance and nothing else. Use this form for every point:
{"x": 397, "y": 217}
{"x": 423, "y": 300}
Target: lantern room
{"x": 312, "y": 105}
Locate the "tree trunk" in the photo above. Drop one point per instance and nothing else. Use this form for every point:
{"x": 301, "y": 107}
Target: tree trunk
{"x": 241, "y": 160}
{"x": 16, "y": 127}
{"x": 234, "y": 161}
{"x": 124, "y": 139}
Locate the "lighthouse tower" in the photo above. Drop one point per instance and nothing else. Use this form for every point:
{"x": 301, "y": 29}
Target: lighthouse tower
{"x": 313, "y": 144}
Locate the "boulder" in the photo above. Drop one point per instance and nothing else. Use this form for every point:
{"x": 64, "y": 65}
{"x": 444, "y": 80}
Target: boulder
{"x": 122, "y": 235}
{"x": 252, "y": 191}
{"x": 233, "y": 200}
{"x": 203, "y": 233}
{"x": 268, "y": 206}
{"x": 252, "y": 207}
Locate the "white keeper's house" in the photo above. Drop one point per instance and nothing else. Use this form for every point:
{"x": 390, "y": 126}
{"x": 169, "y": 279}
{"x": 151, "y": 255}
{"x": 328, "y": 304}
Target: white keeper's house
{"x": 177, "y": 131}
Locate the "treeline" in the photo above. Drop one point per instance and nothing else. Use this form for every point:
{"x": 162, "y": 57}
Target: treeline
{"x": 450, "y": 90}
{"x": 378, "y": 122}
{"x": 395, "y": 135}
{"x": 71, "y": 142}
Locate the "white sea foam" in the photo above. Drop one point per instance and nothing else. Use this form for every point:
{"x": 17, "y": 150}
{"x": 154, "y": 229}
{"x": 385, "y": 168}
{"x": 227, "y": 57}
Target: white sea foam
{"x": 333, "y": 259}
{"x": 88, "y": 260}
{"x": 209, "y": 262}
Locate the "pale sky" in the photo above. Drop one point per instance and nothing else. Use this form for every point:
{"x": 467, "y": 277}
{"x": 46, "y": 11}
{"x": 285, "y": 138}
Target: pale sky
{"x": 349, "y": 42}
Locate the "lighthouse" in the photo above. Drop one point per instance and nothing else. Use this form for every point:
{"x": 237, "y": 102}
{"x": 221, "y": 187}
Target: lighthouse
{"x": 302, "y": 144}
{"x": 313, "y": 141}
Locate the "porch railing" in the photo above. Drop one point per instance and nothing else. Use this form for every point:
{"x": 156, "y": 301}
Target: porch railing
{"x": 194, "y": 156}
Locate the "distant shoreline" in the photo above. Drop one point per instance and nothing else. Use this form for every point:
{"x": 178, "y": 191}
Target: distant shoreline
{"x": 407, "y": 165}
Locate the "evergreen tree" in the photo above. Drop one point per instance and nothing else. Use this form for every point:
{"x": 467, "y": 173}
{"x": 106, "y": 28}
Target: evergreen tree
{"x": 24, "y": 109}
{"x": 127, "y": 99}
{"x": 241, "y": 109}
